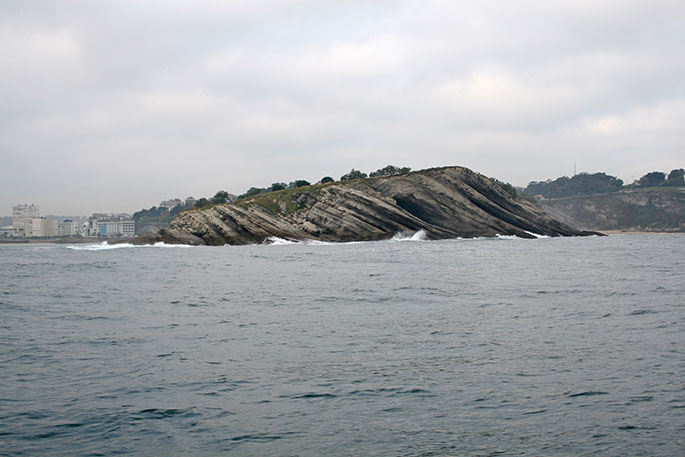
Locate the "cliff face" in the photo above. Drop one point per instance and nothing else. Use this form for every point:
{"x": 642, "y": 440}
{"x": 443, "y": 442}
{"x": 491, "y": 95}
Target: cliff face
{"x": 657, "y": 208}
{"x": 445, "y": 203}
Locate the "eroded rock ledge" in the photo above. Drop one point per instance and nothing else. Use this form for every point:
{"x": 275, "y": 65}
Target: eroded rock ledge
{"x": 447, "y": 202}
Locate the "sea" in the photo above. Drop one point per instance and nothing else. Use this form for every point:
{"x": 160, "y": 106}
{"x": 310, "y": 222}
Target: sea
{"x": 406, "y": 347}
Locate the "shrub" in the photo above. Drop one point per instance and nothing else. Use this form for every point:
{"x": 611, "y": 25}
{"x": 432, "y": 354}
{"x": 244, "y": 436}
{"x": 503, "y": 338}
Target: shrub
{"x": 508, "y": 188}
{"x": 676, "y": 178}
{"x": 353, "y": 174}
{"x": 390, "y": 170}
{"x": 220, "y": 197}
{"x": 252, "y": 191}
{"x": 301, "y": 183}
{"x": 202, "y": 203}
{"x": 652, "y": 179}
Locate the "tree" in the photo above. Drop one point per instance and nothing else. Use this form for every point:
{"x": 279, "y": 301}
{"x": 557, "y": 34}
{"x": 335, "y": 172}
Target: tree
{"x": 580, "y": 184}
{"x": 676, "y": 178}
{"x": 508, "y": 188}
{"x": 220, "y": 197}
{"x": 326, "y": 179}
{"x": 277, "y": 186}
{"x": 353, "y": 174}
{"x": 652, "y": 179}
{"x": 201, "y": 203}
{"x": 252, "y": 191}
{"x": 390, "y": 170}
{"x": 301, "y": 183}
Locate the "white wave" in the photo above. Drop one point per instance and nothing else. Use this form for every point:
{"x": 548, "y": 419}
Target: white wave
{"x": 507, "y": 237}
{"x": 104, "y": 246}
{"x": 536, "y": 235}
{"x": 276, "y": 241}
{"x": 162, "y": 244}
{"x": 321, "y": 243}
{"x": 418, "y": 236}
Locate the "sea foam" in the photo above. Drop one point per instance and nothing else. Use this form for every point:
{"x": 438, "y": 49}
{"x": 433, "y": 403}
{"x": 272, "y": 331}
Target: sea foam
{"x": 418, "y": 236}
{"x": 104, "y": 246}
{"x": 536, "y": 235}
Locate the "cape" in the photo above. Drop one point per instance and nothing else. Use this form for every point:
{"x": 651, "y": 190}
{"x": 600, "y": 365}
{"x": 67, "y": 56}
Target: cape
{"x": 447, "y": 202}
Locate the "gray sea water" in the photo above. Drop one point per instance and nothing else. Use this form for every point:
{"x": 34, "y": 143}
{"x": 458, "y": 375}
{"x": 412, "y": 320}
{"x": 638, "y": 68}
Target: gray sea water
{"x": 565, "y": 346}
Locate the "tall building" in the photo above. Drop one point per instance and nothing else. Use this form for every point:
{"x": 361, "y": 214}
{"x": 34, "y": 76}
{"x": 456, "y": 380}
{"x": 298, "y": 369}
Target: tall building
{"x": 49, "y": 227}
{"x": 67, "y": 228}
{"x": 22, "y": 212}
{"x": 39, "y": 226}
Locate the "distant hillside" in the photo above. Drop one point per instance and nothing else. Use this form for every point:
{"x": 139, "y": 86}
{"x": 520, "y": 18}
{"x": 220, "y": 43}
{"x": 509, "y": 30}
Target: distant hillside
{"x": 600, "y": 183}
{"x": 649, "y": 209}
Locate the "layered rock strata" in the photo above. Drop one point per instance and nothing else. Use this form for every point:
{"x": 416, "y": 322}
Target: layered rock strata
{"x": 447, "y": 202}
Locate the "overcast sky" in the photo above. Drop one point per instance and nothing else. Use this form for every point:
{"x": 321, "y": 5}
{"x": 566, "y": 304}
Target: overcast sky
{"x": 112, "y": 106}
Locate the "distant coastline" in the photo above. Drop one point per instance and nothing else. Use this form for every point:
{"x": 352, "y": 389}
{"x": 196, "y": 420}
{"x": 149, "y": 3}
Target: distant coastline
{"x": 649, "y": 210}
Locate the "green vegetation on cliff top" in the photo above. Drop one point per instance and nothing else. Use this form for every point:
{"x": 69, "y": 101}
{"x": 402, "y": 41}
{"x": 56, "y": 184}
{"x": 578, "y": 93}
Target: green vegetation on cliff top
{"x": 600, "y": 183}
{"x": 285, "y": 201}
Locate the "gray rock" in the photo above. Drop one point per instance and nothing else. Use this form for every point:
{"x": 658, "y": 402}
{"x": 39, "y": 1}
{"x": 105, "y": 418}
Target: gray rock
{"x": 447, "y": 202}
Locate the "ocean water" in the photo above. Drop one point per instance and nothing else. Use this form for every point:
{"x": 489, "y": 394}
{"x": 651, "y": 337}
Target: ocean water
{"x": 558, "y": 346}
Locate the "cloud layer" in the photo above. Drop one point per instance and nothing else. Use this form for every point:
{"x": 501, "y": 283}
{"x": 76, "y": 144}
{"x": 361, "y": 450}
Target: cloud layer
{"x": 116, "y": 105}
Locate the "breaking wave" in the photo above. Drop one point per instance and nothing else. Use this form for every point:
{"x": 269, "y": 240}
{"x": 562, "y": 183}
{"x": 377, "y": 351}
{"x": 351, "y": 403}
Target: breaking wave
{"x": 536, "y": 235}
{"x": 418, "y": 236}
{"x": 276, "y": 241}
{"x": 104, "y": 246}
{"x": 507, "y": 237}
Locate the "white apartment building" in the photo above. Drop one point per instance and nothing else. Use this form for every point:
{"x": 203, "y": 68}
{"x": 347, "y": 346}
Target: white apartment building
{"x": 67, "y": 228}
{"x": 111, "y": 225}
{"x": 11, "y": 232}
{"x": 22, "y": 212}
{"x": 49, "y": 227}
{"x": 116, "y": 228}
{"x": 39, "y": 226}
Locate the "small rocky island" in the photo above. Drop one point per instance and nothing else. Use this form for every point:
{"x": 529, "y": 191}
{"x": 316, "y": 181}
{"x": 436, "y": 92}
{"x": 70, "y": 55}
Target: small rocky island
{"x": 448, "y": 202}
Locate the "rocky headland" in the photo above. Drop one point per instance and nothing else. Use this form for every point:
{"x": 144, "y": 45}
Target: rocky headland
{"x": 448, "y": 202}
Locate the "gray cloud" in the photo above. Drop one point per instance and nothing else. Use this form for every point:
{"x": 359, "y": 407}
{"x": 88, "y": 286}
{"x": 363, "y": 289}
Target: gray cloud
{"x": 114, "y": 106}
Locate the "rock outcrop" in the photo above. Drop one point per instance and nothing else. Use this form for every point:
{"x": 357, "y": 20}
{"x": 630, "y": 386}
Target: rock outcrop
{"x": 448, "y": 202}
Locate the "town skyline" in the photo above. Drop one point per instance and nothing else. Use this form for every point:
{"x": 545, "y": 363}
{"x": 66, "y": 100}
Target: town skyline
{"x": 27, "y": 222}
